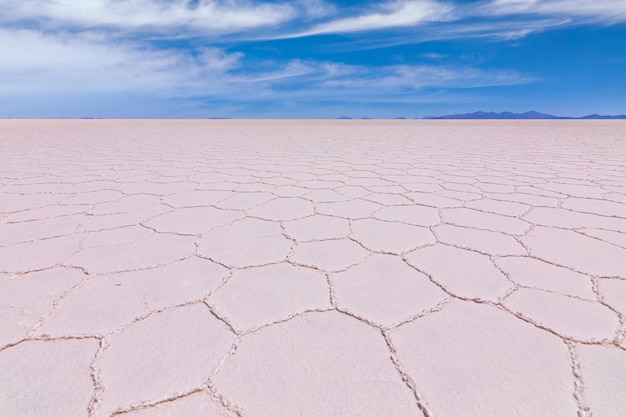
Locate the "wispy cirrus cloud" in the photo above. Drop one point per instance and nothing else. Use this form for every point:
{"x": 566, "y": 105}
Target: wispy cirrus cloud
{"x": 609, "y": 11}
{"x": 88, "y": 62}
{"x": 203, "y": 15}
{"x": 71, "y": 64}
{"x": 235, "y": 52}
{"x": 413, "y": 78}
{"x": 491, "y": 31}
{"x": 387, "y": 15}
{"x": 437, "y": 20}
{"x": 254, "y": 19}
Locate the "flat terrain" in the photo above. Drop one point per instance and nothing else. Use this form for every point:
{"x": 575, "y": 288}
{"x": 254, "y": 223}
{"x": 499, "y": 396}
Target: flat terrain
{"x": 312, "y": 268}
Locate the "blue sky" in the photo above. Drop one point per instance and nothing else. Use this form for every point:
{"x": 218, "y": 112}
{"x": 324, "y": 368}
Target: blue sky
{"x": 310, "y": 58}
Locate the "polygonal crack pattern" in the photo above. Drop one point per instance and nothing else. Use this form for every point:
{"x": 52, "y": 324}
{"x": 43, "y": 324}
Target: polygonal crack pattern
{"x": 385, "y": 290}
{"x": 312, "y": 268}
{"x": 308, "y": 361}
{"x": 485, "y": 363}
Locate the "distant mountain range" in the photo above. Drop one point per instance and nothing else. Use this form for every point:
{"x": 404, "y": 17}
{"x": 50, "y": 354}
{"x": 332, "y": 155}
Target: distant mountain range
{"x": 527, "y": 115}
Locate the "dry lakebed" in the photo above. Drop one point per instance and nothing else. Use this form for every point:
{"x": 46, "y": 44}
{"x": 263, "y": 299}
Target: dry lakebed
{"x": 312, "y": 268}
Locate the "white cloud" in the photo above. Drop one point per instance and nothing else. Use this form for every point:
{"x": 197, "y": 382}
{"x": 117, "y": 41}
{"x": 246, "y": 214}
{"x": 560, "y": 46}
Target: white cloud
{"x": 37, "y": 66}
{"x": 598, "y": 10}
{"x": 36, "y": 63}
{"x": 67, "y": 65}
{"x": 275, "y": 20}
{"x": 204, "y": 15}
{"x": 315, "y": 8}
{"x": 500, "y": 30}
{"x": 412, "y": 78}
{"x": 513, "y": 6}
{"x": 388, "y": 15}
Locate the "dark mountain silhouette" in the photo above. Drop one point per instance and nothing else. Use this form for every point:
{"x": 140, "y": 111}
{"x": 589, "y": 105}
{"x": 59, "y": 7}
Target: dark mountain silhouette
{"x": 521, "y": 116}
{"x": 599, "y": 116}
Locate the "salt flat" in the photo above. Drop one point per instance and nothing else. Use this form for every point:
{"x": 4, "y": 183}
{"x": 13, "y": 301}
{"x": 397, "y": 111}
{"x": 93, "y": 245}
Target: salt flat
{"x": 312, "y": 268}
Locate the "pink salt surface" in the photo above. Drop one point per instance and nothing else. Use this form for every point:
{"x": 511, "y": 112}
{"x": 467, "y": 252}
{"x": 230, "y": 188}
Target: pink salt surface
{"x": 313, "y": 268}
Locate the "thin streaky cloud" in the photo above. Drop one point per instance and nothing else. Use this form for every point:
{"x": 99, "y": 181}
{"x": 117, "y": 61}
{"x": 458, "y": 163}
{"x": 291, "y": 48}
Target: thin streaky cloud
{"x": 387, "y": 15}
{"x": 257, "y": 21}
{"x": 88, "y": 63}
{"x": 204, "y": 15}
{"x": 251, "y": 55}
{"x": 69, "y": 62}
{"x": 488, "y": 30}
{"x": 416, "y": 77}
{"x": 315, "y": 9}
{"x": 609, "y": 11}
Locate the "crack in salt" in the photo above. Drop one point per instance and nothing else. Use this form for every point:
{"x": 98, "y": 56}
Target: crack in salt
{"x": 579, "y": 387}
